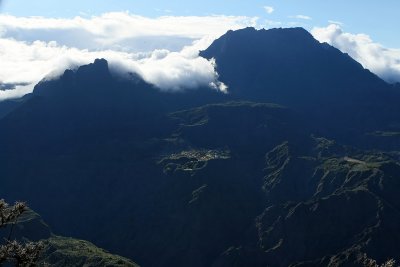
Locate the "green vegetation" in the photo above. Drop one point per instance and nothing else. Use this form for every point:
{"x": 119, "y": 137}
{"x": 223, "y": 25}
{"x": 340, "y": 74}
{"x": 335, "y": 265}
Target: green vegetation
{"x": 18, "y": 220}
{"x": 191, "y": 160}
{"x": 69, "y": 252}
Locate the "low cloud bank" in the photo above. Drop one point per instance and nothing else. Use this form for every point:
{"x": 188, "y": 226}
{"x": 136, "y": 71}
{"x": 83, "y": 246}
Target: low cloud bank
{"x": 385, "y": 62}
{"x": 163, "y": 51}
{"x": 27, "y": 63}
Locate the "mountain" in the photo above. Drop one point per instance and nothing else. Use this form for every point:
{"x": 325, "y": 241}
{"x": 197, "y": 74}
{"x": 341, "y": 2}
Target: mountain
{"x": 298, "y": 165}
{"x": 323, "y": 209}
{"x": 288, "y": 66}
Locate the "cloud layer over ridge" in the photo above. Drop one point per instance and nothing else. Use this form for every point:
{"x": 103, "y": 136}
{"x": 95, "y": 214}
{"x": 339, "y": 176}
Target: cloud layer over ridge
{"x": 385, "y": 62}
{"x": 163, "y": 50}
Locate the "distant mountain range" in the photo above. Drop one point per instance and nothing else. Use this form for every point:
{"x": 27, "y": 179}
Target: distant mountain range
{"x": 298, "y": 165}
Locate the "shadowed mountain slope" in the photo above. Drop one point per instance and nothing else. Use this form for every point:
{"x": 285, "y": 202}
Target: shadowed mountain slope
{"x": 290, "y": 67}
{"x": 202, "y": 178}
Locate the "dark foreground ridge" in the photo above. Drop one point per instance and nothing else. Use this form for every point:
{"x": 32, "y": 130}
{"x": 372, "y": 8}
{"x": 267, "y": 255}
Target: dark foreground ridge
{"x": 61, "y": 251}
{"x": 201, "y": 178}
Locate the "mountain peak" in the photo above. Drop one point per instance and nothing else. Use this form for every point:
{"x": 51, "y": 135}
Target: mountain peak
{"x": 98, "y": 70}
{"x": 252, "y": 36}
{"x": 90, "y": 77}
{"x": 272, "y": 64}
{"x": 272, "y": 30}
{"x": 100, "y": 61}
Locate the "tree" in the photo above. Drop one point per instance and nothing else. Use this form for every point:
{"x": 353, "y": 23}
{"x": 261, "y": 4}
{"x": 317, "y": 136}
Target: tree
{"x": 13, "y": 251}
{"x": 372, "y": 263}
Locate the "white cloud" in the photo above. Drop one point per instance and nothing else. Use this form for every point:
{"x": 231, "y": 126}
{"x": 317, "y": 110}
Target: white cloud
{"x": 120, "y": 30}
{"x": 269, "y": 9}
{"x": 336, "y": 22}
{"x": 304, "y": 17}
{"x": 19, "y": 91}
{"x": 163, "y": 51}
{"x": 30, "y": 62}
{"x": 385, "y": 62}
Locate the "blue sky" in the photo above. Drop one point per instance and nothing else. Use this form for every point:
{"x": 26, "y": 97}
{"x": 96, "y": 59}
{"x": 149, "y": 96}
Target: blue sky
{"x": 379, "y": 19}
